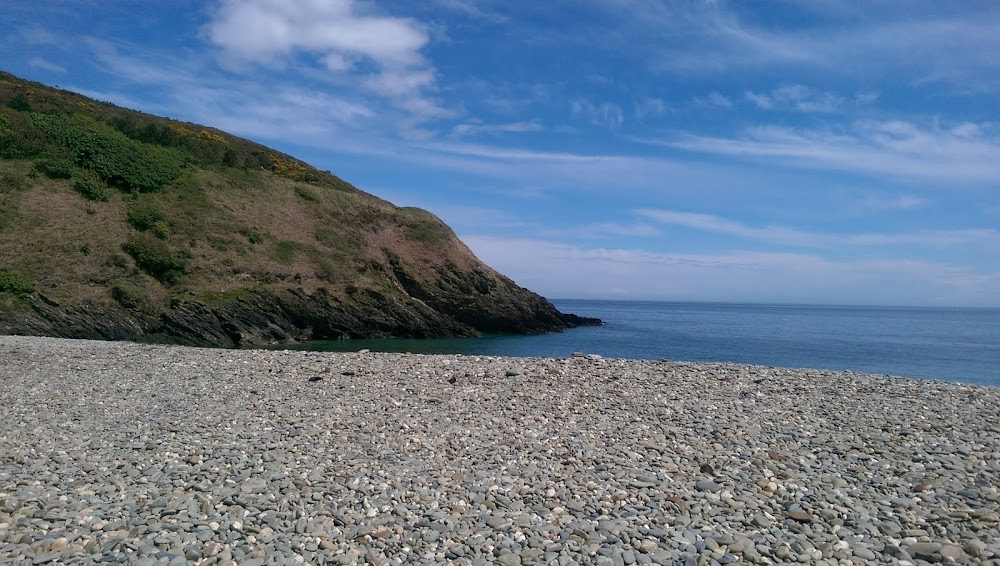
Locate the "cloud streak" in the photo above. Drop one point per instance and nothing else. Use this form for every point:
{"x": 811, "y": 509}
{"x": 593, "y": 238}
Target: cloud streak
{"x": 963, "y": 154}
{"x": 925, "y": 43}
{"x": 563, "y": 270}
{"x": 606, "y": 115}
{"x": 796, "y": 97}
{"x": 799, "y": 238}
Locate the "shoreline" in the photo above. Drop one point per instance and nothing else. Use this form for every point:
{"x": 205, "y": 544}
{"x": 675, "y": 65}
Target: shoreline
{"x": 144, "y": 452}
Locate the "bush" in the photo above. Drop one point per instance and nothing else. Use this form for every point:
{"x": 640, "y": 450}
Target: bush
{"x": 305, "y": 194}
{"x": 55, "y": 168}
{"x": 111, "y": 155}
{"x": 284, "y": 252}
{"x": 13, "y": 181}
{"x": 255, "y": 237}
{"x": 153, "y": 256}
{"x": 92, "y": 188}
{"x": 124, "y": 297}
{"x": 117, "y": 260}
{"x": 15, "y": 283}
{"x": 144, "y": 214}
{"x": 20, "y": 103}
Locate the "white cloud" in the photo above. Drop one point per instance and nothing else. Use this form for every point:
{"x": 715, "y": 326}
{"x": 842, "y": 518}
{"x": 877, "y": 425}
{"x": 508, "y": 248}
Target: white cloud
{"x": 40, "y": 36}
{"x": 714, "y": 99}
{"x": 333, "y": 30}
{"x": 384, "y": 51}
{"x": 712, "y": 223}
{"x": 796, "y": 97}
{"x": 866, "y": 97}
{"x": 607, "y": 115}
{"x": 650, "y": 108}
{"x": 567, "y": 271}
{"x": 601, "y": 230}
{"x": 472, "y": 9}
{"x": 476, "y": 128}
{"x": 895, "y": 148}
{"x": 793, "y": 237}
{"x": 897, "y": 202}
{"x": 47, "y": 65}
{"x": 930, "y": 44}
{"x": 762, "y": 101}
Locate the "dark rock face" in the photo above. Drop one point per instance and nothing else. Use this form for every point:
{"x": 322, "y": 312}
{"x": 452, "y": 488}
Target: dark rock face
{"x": 270, "y": 317}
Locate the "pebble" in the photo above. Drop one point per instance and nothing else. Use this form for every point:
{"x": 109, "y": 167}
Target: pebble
{"x": 119, "y": 452}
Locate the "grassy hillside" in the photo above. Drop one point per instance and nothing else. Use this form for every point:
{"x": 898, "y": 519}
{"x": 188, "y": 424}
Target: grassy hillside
{"x": 138, "y": 218}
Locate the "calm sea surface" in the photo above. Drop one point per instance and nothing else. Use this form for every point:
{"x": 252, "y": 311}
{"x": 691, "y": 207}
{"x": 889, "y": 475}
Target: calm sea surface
{"x": 938, "y": 343}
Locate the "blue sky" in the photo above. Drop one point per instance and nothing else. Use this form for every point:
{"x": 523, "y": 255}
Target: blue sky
{"x": 801, "y": 151}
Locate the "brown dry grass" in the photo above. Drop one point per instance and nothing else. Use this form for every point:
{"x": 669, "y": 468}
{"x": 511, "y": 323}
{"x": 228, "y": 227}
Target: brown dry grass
{"x": 339, "y": 239}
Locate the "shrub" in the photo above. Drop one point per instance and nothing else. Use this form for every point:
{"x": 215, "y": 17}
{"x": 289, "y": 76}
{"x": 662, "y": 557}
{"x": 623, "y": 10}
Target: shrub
{"x": 117, "y": 260}
{"x": 20, "y": 103}
{"x": 328, "y": 236}
{"x": 255, "y": 237}
{"x": 92, "y": 188}
{"x": 427, "y": 231}
{"x": 144, "y": 213}
{"x": 13, "y": 181}
{"x": 124, "y": 297}
{"x": 305, "y": 194}
{"x": 15, "y": 283}
{"x": 153, "y": 256}
{"x": 284, "y": 252}
{"x": 229, "y": 158}
{"x": 111, "y": 155}
{"x": 55, "y": 167}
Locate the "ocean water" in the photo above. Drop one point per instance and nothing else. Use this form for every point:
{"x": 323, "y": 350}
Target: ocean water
{"x": 955, "y": 344}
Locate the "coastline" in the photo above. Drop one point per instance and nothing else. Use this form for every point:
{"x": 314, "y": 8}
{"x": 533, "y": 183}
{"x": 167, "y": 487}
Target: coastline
{"x": 230, "y": 456}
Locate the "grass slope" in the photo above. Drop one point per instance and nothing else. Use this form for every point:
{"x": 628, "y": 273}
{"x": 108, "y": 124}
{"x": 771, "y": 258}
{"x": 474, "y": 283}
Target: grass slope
{"x": 101, "y": 205}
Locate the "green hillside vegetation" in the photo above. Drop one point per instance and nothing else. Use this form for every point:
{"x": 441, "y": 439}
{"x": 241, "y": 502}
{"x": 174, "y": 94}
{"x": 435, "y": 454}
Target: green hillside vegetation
{"x": 138, "y": 216}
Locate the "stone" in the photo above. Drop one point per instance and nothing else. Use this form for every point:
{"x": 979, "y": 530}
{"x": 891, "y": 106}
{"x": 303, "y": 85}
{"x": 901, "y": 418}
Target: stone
{"x": 800, "y": 516}
{"x": 975, "y": 548}
{"x": 762, "y": 521}
{"x": 924, "y": 550}
{"x": 707, "y": 485}
{"x": 864, "y": 553}
{"x": 952, "y": 552}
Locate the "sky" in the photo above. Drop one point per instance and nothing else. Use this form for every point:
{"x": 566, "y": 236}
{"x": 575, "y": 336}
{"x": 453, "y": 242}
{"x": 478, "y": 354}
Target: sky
{"x": 789, "y": 151}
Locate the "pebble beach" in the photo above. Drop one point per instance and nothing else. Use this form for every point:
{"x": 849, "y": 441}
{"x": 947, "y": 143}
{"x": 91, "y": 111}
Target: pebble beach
{"x": 117, "y": 452}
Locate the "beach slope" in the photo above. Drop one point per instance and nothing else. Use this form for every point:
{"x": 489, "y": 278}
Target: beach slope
{"x": 140, "y": 453}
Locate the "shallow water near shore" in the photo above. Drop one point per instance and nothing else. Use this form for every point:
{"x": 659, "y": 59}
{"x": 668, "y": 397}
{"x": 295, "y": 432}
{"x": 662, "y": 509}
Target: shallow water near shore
{"x": 955, "y": 344}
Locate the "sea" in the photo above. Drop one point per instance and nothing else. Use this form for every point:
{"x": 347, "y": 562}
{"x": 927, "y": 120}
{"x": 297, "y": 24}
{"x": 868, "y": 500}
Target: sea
{"x": 953, "y": 344}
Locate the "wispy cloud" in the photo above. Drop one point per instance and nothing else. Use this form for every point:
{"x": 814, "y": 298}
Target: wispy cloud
{"x": 40, "y": 36}
{"x": 799, "y": 238}
{"x": 600, "y": 230}
{"x": 963, "y": 154}
{"x": 651, "y": 107}
{"x": 473, "y": 9}
{"x": 866, "y": 97}
{"x": 895, "y": 202}
{"x": 796, "y": 97}
{"x": 712, "y": 223}
{"x": 607, "y": 114}
{"x": 477, "y": 127}
{"x": 714, "y": 99}
{"x": 935, "y": 45}
{"x": 580, "y": 272}
{"x": 47, "y": 65}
